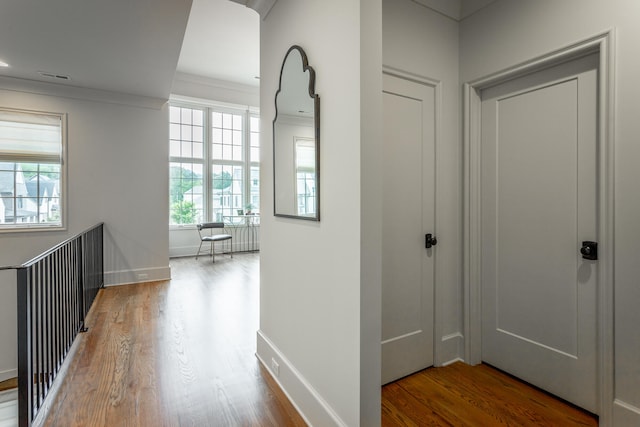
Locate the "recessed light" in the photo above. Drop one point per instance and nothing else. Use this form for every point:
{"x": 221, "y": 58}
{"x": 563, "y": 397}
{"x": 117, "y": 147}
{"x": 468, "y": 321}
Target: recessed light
{"x": 3, "y": 64}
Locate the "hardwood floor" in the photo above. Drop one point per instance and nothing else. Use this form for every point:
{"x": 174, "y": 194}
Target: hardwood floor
{"x": 8, "y": 384}
{"x": 174, "y": 353}
{"x": 181, "y": 353}
{"x": 463, "y": 395}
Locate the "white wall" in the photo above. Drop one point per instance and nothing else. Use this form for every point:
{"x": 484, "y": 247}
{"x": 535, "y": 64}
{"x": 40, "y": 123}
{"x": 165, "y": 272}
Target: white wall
{"x": 8, "y": 325}
{"x": 310, "y": 308}
{"x": 422, "y": 42}
{"x": 507, "y": 33}
{"x": 116, "y": 173}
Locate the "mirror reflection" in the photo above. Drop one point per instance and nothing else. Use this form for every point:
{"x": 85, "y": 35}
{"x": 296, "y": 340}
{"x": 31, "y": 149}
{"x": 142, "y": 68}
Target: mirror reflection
{"x": 296, "y": 140}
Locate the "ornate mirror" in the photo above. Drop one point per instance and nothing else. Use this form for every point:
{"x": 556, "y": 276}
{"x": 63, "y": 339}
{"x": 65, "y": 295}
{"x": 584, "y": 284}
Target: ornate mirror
{"x": 296, "y": 138}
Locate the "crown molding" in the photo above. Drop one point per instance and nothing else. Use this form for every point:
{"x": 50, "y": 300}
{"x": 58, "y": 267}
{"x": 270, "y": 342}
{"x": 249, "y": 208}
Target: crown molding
{"x": 81, "y": 93}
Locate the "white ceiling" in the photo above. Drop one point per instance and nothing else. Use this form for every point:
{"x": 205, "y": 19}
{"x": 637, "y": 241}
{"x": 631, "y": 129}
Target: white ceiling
{"x": 222, "y": 42}
{"x": 456, "y": 9}
{"x": 135, "y": 46}
{"x": 128, "y": 46}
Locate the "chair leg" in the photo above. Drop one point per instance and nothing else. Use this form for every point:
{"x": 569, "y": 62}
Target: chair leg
{"x": 199, "y": 247}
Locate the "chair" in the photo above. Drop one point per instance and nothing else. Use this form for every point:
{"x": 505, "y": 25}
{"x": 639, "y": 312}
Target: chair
{"x": 213, "y": 237}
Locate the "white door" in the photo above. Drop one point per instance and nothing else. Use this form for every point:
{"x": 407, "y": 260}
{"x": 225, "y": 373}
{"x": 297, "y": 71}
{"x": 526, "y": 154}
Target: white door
{"x": 539, "y": 157}
{"x": 408, "y": 215}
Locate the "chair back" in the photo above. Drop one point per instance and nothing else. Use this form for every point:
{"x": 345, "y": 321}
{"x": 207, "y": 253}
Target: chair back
{"x": 206, "y": 225}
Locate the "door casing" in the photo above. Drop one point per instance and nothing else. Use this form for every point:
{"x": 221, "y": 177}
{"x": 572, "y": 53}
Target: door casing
{"x": 602, "y": 44}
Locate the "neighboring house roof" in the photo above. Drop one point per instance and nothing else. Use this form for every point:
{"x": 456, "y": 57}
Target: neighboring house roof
{"x": 48, "y": 187}
{"x": 47, "y": 190}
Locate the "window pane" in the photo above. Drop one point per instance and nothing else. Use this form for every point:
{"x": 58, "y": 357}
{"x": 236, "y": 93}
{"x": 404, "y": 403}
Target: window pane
{"x": 226, "y": 136}
{"x": 197, "y": 150}
{"x": 237, "y": 122}
{"x": 174, "y": 148}
{"x": 30, "y": 193}
{"x": 185, "y": 117}
{"x": 216, "y": 136}
{"x": 226, "y": 191}
{"x": 198, "y": 133}
{"x": 254, "y": 186}
{"x": 198, "y": 117}
{"x": 174, "y": 131}
{"x": 254, "y": 123}
{"x": 174, "y": 114}
{"x": 185, "y": 133}
{"x": 185, "y": 193}
{"x": 255, "y": 154}
{"x": 186, "y": 149}
{"x": 237, "y": 152}
{"x": 216, "y": 119}
{"x": 227, "y": 121}
{"x": 254, "y": 142}
{"x": 217, "y": 151}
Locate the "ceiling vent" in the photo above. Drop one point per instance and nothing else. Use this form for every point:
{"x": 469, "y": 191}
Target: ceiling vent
{"x": 54, "y": 75}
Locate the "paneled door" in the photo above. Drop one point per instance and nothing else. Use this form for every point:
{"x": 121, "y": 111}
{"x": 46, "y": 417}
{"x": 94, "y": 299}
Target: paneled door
{"x": 539, "y": 229}
{"x": 408, "y": 216}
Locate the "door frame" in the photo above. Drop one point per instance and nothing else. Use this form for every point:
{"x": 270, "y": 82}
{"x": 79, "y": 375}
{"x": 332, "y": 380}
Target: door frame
{"x": 603, "y": 45}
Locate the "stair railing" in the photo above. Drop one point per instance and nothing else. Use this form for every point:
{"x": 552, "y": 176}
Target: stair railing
{"x": 55, "y": 292}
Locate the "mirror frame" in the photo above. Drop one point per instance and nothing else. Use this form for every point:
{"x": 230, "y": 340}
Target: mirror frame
{"x": 316, "y": 114}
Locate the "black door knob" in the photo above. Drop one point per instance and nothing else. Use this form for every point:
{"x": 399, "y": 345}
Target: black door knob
{"x": 589, "y": 250}
{"x": 430, "y": 240}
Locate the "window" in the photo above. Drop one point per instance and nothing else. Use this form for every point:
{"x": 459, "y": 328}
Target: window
{"x": 305, "y": 157}
{"x": 31, "y": 170}
{"x": 214, "y": 164}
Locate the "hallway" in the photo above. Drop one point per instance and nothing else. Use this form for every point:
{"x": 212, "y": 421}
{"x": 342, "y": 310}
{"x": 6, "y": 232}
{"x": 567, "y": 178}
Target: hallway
{"x": 174, "y": 353}
{"x": 181, "y": 353}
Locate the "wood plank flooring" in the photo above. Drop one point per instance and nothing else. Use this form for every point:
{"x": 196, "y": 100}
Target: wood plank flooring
{"x": 463, "y": 395}
{"x": 175, "y": 353}
{"x": 9, "y": 384}
{"x": 181, "y": 353}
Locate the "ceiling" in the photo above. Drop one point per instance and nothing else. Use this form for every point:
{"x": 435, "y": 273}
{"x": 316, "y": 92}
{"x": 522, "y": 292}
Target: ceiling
{"x": 116, "y": 45}
{"x": 136, "y": 46}
{"x": 222, "y": 42}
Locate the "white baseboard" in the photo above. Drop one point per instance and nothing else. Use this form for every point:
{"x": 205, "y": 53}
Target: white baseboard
{"x": 8, "y": 374}
{"x": 140, "y": 275}
{"x": 625, "y": 414}
{"x": 182, "y": 251}
{"x": 451, "y": 348}
{"x": 311, "y": 406}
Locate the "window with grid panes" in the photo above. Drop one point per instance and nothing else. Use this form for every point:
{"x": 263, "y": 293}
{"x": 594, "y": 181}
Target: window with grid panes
{"x": 187, "y": 165}
{"x": 31, "y": 170}
{"x": 214, "y": 164}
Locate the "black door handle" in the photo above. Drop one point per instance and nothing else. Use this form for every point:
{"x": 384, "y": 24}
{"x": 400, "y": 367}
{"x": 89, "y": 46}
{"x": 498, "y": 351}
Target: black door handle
{"x": 430, "y": 240}
{"x": 589, "y": 250}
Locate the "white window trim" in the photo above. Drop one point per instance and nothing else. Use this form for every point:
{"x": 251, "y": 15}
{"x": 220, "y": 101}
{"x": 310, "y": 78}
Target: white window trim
{"x": 40, "y": 227}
